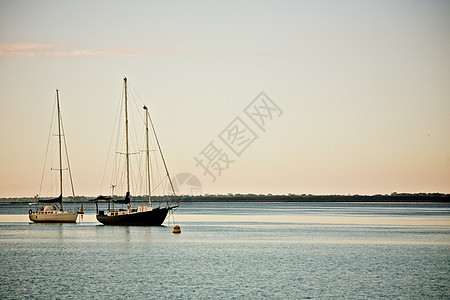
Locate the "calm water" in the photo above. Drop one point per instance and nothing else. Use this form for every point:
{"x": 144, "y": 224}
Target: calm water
{"x": 234, "y": 251}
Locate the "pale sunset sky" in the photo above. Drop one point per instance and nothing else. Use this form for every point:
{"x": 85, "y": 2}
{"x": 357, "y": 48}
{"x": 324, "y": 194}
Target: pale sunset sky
{"x": 358, "y": 91}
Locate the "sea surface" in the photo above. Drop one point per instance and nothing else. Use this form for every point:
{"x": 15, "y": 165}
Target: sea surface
{"x": 234, "y": 251}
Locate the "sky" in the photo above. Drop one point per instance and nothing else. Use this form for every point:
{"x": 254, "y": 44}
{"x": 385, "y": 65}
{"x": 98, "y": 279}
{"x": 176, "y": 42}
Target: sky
{"x": 302, "y": 97}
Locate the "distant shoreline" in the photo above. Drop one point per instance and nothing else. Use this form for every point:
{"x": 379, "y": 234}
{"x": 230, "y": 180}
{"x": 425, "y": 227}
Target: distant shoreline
{"x": 401, "y": 197}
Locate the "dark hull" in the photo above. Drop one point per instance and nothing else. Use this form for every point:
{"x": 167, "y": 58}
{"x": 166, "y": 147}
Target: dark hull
{"x": 148, "y": 218}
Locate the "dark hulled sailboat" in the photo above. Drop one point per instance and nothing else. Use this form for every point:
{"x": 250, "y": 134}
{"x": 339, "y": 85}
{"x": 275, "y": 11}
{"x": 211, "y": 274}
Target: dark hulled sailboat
{"x": 134, "y": 217}
{"x": 144, "y": 215}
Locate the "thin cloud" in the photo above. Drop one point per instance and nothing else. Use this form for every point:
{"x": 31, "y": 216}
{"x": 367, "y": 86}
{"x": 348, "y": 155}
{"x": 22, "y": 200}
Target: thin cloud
{"x": 61, "y": 50}
{"x": 263, "y": 54}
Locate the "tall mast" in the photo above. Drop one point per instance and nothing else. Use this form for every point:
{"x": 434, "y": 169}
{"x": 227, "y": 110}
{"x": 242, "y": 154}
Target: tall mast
{"x": 60, "y": 155}
{"x": 126, "y": 132}
{"x": 148, "y": 155}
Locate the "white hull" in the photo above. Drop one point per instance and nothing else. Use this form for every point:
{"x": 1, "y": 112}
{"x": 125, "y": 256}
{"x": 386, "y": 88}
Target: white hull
{"x": 54, "y": 217}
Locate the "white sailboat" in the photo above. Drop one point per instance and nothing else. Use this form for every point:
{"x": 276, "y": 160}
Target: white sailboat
{"x": 52, "y": 210}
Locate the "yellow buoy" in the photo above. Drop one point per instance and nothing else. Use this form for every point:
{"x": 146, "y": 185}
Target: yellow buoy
{"x": 176, "y": 229}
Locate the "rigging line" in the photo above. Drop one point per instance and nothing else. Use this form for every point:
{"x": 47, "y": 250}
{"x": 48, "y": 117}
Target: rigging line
{"x": 133, "y": 182}
{"x": 162, "y": 156}
{"x": 158, "y": 171}
{"x": 111, "y": 140}
{"x": 136, "y": 111}
{"x": 118, "y": 159}
{"x": 46, "y": 151}
{"x": 161, "y": 182}
{"x": 140, "y": 183}
{"x": 134, "y": 95}
{"x": 173, "y": 216}
{"x": 137, "y": 95}
{"x": 141, "y": 175}
{"x": 120, "y": 177}
{"x": 68, "y": 163}
{"x": 159, "y": 179}
{"x": 143, "y": 166}
{"x": 137, "y": 178}
{"x": 54, "y": 183}
{"x": 133, "y": 116}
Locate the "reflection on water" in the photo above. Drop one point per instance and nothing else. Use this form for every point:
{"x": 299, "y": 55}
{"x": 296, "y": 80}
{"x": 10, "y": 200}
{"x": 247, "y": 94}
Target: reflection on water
{"x": 318, "y": 219}
{"x": 288, "y": 218}
{"x": 234, "y": 250}
{"x": 408, "y": 214}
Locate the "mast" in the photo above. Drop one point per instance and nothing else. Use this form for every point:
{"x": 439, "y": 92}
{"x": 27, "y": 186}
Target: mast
{"x": 148, "y": 155}
{"x": 60, "y": 154}
{"x": 126, "y": 132}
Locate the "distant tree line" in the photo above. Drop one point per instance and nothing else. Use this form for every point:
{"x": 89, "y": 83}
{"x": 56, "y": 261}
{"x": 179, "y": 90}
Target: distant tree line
{"x": 422, "y": 197}
{"x": 394, "y": 197}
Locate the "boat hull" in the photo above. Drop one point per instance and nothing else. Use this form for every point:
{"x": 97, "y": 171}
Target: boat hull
{"x": 54, "y": 217}
{"x": 154, "y": 217}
